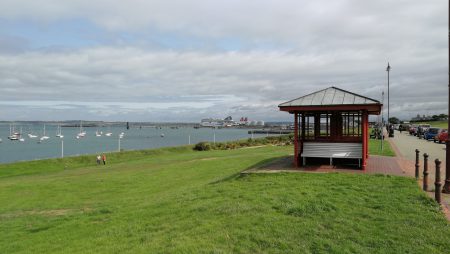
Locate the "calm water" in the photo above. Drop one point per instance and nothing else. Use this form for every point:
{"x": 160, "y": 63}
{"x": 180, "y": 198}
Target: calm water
{"x": 133, "y": 139}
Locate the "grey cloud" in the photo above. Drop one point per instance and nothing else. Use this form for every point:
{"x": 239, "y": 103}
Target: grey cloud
{"x": 313, "y": 45}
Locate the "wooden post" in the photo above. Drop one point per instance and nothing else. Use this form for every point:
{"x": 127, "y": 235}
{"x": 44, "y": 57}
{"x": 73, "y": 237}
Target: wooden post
{"x": 364, "y": 140}
{"x": 367, "y": 134}
{"x": 417, "y": 163}
{"x": 437, "y": 183}
{"x": 425, "y": 171}
{"x": 302, "y": 136}
{"x": 296, "y": 140}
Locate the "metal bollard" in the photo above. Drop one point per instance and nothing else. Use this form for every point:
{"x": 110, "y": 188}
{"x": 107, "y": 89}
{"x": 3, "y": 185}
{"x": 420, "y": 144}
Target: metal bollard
{"x": 417, "y": 163}
{"x": 425, "y": 171}
{"x": 437, "y": 183}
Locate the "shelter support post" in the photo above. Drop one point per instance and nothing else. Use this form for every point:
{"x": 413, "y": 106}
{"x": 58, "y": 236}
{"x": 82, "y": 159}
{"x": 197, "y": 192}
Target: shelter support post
{"x": 296, "y": 139}
{"x": 365, "y": 129}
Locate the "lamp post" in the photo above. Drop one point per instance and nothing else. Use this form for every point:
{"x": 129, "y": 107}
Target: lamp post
{"x": 388, "y": 69}
{"x": 446, "y": 188}
{"x": 382, "y": 121}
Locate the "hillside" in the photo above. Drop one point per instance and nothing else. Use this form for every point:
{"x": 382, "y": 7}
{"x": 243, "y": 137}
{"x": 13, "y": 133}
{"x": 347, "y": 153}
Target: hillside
{"x": 176, "y": 200}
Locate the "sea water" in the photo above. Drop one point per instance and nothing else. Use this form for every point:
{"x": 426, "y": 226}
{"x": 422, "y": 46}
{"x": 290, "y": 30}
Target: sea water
{"x": 133, "y": 139}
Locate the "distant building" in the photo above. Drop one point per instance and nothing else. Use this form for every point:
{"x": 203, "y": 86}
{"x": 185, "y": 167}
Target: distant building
{"x": 229, "y": 122}
{"x": 419, "y": 118}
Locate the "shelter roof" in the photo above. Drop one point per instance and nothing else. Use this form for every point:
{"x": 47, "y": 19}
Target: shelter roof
{"x": 332, "y": 98}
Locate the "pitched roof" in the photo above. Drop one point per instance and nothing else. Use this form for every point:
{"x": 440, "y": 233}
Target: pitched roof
{"x": 331, "y": 96}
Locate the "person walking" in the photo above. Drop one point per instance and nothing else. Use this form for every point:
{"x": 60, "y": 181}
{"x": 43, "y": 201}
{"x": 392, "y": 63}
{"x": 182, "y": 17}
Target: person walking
{"x": 104, "y": 159}
{"x": 98, "y": 159}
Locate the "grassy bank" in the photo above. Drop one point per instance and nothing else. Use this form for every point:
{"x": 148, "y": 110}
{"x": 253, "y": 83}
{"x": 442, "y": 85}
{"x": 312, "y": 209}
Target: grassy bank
{"x": 437, "y": 124}
{"x": 375, "y": 148}
{"x": 176, "y": 200}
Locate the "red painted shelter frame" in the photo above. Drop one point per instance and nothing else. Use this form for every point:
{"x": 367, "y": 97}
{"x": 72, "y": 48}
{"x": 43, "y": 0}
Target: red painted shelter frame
{"x": 340, "y": 123}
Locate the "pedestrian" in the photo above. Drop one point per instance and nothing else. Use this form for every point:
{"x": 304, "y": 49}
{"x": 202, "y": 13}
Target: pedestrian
{"x": 104, "y": 159}
{"x": 98, "y": 159}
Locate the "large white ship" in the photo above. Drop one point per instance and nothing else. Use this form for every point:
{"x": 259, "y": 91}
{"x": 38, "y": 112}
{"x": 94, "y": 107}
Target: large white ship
{"x": 212, "y": 122}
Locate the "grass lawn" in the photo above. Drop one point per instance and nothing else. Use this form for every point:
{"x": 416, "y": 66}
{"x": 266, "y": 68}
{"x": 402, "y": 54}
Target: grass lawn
{"x": 175, "y": 200}
{"x": 375, "y": 148}
{"x": 438, "y": 124}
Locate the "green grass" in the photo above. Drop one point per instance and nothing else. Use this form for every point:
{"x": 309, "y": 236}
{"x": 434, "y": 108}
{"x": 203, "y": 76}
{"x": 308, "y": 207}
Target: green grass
{"x": 438, "y": 124}
{"x": 175, "y": 200}
{"x": 375, "y": 148}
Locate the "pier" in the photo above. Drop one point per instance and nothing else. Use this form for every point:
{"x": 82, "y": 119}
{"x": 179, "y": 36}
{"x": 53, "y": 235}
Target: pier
{"x": 271, "y": 132}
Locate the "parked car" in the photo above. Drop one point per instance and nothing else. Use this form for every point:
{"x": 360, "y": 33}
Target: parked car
{"x": 441, "y": 136}
{"x": 413, "y": 130}
{"x": 431, "y": 133}
{"x": 404, "y": 127}
{"x": 421, "y": 129}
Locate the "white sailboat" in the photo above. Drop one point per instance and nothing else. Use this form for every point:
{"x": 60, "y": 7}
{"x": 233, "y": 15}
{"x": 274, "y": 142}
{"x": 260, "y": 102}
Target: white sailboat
{"x": 13, "y": 135}
{"x": 30, "y": 133}
{"x": 44, "y": 137}
{"x": 82, "y": 133}
{"x": 21, "y": 139}
{"x": 108, "y": 133}
{"x": 98, "y": 134}
{"x": 58, "y": 132}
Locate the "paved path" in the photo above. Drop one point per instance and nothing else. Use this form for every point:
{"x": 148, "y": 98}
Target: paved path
{"x": 407, "y": 145}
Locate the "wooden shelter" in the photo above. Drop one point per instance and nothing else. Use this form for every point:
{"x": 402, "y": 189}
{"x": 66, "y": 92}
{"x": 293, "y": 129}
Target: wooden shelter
{"x": 333, "y": 124}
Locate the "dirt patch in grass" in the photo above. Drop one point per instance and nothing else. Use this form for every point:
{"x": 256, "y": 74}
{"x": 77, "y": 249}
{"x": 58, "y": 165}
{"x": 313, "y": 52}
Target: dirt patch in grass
{"x": 45, "y": 213}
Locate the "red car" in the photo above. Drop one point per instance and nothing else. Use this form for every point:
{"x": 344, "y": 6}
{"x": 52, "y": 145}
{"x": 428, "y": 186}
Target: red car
{"x": 441, "y": 136}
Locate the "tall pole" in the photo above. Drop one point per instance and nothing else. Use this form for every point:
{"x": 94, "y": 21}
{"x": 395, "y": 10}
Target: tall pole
{"x": 446, "y": 188}
{"x": 119, "y": 144}
{"x": 62, "y": 148}
{"x": 388, "y": 69}
{"x": 382, "y": 121}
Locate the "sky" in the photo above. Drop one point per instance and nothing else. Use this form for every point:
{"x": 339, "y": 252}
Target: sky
{"x": 174, "y": 60}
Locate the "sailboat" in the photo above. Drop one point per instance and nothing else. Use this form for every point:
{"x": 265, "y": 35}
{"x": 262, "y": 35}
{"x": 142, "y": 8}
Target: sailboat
{"x": 109, "y": 133}
{"x": 44, "y": 137}
{"x": 98, "y": 134}
{"x": 30, "y": 133}
{"x": 13, "y": 135}
{"x": 58, "y": 132}
{"x": 82, "y": 133}
{"x": 21, "y": 139}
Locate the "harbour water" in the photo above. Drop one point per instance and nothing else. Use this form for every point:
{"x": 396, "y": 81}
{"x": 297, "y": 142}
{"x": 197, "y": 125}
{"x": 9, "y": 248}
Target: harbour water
{"x": 133, "y": 139}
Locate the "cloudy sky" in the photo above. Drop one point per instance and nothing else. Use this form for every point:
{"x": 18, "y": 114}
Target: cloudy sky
{"x": 175, "y": 60}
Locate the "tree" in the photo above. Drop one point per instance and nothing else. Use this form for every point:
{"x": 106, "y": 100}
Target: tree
{"x": 443, "y": 116}
{"x": 394, "y": 120}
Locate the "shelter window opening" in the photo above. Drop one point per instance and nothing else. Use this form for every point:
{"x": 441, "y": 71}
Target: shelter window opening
{"x": 351, "y": 124}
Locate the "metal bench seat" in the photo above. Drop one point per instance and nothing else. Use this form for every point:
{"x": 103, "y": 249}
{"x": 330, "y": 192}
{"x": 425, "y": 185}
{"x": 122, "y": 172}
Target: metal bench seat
{"x": 332, "y": 150}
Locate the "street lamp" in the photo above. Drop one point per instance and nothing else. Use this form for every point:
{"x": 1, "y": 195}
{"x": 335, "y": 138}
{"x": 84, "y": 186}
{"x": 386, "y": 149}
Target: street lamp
{"x": 446, "y": 188}
{"x": 388, "y": 69}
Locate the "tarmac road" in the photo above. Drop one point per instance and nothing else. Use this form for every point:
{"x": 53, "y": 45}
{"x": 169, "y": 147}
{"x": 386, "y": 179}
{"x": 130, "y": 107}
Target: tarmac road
{"x": 407, "y": 145}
